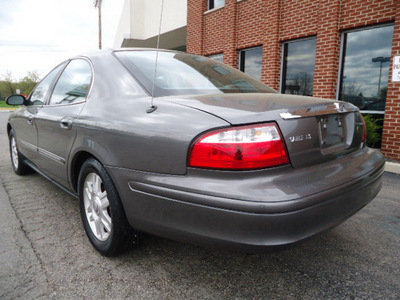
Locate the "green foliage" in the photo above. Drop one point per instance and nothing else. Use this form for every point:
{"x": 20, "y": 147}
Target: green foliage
{"x": 373, "y": 131}
{"x": 8, "y": 86}
{"x": 3, "y": 104}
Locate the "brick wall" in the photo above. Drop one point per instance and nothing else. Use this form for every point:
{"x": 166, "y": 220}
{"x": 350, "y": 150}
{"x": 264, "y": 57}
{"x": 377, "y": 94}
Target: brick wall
{"x": 328, "y": 49}
{"x": 195, "y": 26}
{"x": 299, "y": 19}
{"x": 250, "y": 15}
{"x": 214, "y": 32}
{"x": 250, "y": 23}
{"x": 358, "y": 13}
{"x": 391, "y": 129}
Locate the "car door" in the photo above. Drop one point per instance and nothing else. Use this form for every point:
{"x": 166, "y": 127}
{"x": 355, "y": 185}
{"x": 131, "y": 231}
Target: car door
{"x": 24, "y": 123}
{"x": 55, "y": 121}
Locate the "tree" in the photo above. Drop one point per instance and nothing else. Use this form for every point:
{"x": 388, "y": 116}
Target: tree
{"x": 8, "y": 86}
{"x": 27, "y": 84}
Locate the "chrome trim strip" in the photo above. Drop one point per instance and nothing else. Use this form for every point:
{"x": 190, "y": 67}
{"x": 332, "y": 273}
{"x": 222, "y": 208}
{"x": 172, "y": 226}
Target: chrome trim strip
{"x": 51, "y": 156}
{"x": 43, "y": 152}
{"x": 320, "y": 110}
{"x": 27, "y": 145}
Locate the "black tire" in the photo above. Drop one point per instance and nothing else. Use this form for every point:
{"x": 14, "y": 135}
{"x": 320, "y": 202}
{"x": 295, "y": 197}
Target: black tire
{"x": 17, "y": 159}
{"x": 103, "y": 218}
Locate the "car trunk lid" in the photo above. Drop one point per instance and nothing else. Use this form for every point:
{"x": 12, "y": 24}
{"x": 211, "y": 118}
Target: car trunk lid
{"x": 315, "y": 130}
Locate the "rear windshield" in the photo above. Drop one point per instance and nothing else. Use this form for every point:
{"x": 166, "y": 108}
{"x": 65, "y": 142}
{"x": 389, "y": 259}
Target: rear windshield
{"x": 187, "y": 74}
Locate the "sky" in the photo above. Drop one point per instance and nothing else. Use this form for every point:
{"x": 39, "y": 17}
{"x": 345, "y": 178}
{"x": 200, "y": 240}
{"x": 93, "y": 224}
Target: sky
{"x": 36, "y": 35}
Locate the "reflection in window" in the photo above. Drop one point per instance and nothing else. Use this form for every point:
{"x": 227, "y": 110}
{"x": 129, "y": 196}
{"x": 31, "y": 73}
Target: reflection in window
{"x": 251, "y": 62}
{"x": 73, "y": 85}
{"x": 298, "y": 67}
{"x": 245, "y": 86}
{"x": 186, "y": 74}
{"x": 215, "y": 3}
{"x": 365, "y": 67}
{"x": 221, "y": 70}
{"x": 218, "y": 57}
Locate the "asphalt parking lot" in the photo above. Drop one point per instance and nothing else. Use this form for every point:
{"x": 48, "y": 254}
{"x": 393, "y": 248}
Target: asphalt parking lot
{"x": 44, "y": 253}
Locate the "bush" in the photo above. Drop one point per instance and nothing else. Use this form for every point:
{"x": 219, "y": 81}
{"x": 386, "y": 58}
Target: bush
{"x": 374, "y": 136}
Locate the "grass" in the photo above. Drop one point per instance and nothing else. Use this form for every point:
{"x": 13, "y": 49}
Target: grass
{"x": 3, "y": 105}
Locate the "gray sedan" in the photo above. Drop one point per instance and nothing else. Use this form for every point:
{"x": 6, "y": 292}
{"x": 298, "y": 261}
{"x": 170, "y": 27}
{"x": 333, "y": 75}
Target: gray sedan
{"x": 192, "y": 150}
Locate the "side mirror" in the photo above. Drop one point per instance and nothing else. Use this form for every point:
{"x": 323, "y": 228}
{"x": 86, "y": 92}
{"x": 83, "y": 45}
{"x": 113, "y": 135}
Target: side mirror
{"x": 16, "y": 100}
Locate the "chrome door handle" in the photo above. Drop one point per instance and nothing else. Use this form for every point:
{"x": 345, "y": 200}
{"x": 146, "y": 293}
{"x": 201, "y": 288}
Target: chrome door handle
{"x": 66, "y": 123}
{"x": 30, "y": 120}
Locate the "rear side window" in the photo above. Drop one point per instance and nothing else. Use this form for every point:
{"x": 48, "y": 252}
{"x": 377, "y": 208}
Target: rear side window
{"x": 73, "y": 84}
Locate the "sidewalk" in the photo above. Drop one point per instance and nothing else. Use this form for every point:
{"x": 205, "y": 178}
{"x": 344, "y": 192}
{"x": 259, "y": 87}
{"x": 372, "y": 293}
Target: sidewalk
{"x": 392, "y": 167}
{"x": 21, "y": 273}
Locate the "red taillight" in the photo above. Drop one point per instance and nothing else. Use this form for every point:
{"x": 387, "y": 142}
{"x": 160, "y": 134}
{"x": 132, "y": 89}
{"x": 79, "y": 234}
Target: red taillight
{"x": 243, "y": 148}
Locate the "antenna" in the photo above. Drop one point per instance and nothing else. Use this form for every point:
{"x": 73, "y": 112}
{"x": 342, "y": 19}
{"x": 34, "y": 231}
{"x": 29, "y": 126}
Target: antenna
{"x": 152, "y": 106}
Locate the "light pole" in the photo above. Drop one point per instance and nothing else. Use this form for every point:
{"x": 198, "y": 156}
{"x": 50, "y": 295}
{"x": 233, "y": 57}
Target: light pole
{"x": 97, "y": 3}
{"x": 381, "y": 60}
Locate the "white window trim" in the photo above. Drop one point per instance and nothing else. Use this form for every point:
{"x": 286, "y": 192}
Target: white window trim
{"x": 213, "y": 9}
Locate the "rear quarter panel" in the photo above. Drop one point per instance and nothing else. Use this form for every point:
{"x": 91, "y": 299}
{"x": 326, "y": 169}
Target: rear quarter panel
{"x": 115, "y": 127}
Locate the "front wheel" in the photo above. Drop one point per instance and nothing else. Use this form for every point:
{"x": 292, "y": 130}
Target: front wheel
{"x": 102, "y": 212}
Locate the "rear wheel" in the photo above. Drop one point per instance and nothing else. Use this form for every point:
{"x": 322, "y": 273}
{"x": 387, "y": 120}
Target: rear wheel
{"x": 102, "y": 212}
{"x": 17, "y": 161}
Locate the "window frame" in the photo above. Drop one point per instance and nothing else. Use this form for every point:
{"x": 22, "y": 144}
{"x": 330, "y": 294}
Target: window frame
{"x": 49, "y": 91}
{"x": 59, "y": 76}
{"x": 211, "y": 5}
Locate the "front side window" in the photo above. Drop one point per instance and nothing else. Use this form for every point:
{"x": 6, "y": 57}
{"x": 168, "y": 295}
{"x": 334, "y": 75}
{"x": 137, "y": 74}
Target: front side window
{"x": 365, "y": 67}
{"x": 74, "y": 83}
{"x": 39, "y": 94}
{"x": 298, "y": 67}
{"x": 250, "y": 62}
{"x": 215, "y": 3}
{"x": 187, "y": 74}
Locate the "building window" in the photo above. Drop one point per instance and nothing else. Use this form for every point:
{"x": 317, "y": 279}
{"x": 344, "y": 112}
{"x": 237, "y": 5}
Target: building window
{"x": 298, "y": 67}
{"x": 250, "y": 62}
{"x": 365, "y": 67}
{"x": 218, "y": 57}
{"x": 215, "y": 3}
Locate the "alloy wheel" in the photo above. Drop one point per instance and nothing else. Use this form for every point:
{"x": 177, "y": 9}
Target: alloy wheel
{"x": 97, "y": 207}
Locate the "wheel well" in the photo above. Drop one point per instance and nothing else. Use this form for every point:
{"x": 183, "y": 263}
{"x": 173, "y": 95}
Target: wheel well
{"x": 76, "y": 165}
{"x": 8, "y": 129}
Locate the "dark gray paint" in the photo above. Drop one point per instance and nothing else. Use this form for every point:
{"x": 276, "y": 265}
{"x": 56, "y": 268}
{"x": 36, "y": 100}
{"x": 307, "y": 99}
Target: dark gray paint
{"x": 146, "y": 156}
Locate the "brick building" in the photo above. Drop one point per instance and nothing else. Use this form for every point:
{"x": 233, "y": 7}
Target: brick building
{"x": 340, "y": 49}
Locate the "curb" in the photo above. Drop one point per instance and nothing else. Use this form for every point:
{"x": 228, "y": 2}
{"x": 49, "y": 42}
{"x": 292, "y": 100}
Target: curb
{"x": 392, "y": 167}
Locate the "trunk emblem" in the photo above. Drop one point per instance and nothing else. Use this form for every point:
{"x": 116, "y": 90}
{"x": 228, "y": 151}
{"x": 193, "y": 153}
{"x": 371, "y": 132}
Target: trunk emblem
{"x": 299, "y": 138}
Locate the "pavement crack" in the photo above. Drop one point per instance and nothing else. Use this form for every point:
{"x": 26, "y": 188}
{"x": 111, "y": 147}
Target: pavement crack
{"x": 22, "y": 248}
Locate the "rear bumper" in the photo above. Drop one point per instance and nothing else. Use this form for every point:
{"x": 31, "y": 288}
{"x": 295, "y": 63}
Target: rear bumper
{"x": 247, "y": 209}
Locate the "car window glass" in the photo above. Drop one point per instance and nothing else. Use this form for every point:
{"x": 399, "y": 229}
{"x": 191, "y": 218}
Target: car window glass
{"x": 186, "y": 74}
{"x": 74, "y": 83}
{"x": 38, "y": 96}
